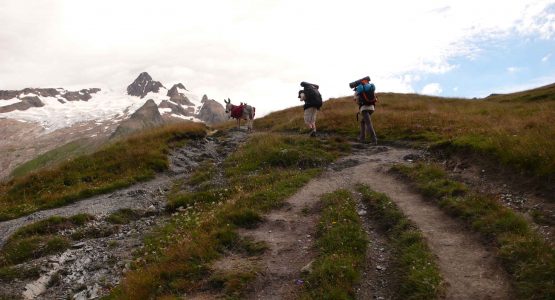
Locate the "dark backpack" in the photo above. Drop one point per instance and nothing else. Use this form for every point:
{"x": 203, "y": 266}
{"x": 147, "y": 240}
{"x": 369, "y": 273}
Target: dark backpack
{"x": 367, "y": 97}
{"x": 313, "y": 97}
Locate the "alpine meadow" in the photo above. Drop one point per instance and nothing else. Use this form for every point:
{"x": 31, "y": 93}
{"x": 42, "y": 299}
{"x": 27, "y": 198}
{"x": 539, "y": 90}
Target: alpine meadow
{"x": 215, "y": 212}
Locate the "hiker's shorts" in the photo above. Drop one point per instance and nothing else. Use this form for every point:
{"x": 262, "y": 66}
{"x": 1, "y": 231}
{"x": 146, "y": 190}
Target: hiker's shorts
{"x": 310, "y": 115}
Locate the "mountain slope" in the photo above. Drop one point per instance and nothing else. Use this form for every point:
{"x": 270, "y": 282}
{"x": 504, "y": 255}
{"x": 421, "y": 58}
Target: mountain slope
{"x": 544, "y": 93}
{"x": 36, "y": 120}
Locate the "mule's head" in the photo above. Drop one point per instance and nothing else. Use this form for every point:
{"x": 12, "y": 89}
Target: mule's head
{"x": 228, "y": 106}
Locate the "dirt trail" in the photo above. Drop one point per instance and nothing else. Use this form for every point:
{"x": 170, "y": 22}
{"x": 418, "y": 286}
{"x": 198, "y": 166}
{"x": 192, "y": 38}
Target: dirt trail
{"x": 149, "y": 195}
{"x": 92, "y": 265}
{"x": 375, "y": 283}
{"x": 468, "y": 268}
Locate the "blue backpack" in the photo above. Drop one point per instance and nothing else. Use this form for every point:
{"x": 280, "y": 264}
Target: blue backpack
{"x": 366, "y": 95}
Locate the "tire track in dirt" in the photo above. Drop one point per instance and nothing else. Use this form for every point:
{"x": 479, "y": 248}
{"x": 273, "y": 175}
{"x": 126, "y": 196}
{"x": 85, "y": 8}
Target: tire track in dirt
{"x": 469, "y": 269}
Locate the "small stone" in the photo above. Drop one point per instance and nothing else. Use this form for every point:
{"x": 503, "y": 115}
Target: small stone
{"x": 82, "y": 295}
{"x": 361, "y": 212}
{"x": 308, "y": 268}
{"x": 380, "y": 268}
{"x": 78, "y": 245}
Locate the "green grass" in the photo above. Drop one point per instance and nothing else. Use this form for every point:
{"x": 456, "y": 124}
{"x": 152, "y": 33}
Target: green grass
{"x": 513, "y": 131}
{"x": 416, "y": 271}
{"x": 528, "y": 258}
{"x": 8, "y": 274}
{"x": 341, "y": 244}
{"x": 123, "y": 216}
{"x": 65, "y": 152}
{"x": 39, "y": 239}
{"x": 177, "y": 258}
{"x": 118, "y": 165}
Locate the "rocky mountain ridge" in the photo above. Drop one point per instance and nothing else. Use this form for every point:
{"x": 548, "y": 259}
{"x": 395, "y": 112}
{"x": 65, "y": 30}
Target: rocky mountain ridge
{"x": 36, "y": 120}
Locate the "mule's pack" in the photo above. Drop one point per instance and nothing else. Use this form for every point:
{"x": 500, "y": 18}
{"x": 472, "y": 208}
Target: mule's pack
{"x": 237, "y": 111}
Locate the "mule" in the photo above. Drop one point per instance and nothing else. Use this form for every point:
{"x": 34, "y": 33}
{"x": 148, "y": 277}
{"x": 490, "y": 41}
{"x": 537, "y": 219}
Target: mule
{"x": 240, "y": 112}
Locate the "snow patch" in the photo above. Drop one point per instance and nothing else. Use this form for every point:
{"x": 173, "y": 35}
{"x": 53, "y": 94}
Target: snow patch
{"x": 9, "y": 102}
{"x": 188, "y": 118}
{"x": 105, "y": 105}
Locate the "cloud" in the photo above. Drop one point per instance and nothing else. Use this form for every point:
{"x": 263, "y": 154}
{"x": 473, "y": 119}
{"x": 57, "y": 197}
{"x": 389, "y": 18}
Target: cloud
{"x": 513, "y": 70}
{"x": 546, "y": 58}
{"x": 431, "y": 89}
{"x": 256, "y": 51}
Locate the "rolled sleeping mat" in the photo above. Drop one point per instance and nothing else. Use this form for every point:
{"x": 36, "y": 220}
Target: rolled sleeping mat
{"x": 307, "y": 84}
{"x": 355, "y": 83}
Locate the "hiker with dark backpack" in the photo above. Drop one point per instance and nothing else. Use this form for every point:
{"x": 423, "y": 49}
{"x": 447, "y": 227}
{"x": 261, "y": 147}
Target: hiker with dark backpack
{"x": 366, "y": 99}
{"x": 312, "y": 103}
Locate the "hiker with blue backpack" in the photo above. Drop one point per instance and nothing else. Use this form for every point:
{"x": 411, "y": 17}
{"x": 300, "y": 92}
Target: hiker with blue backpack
{"x": 365, "y": 97}
{"x": 312, "y": 103}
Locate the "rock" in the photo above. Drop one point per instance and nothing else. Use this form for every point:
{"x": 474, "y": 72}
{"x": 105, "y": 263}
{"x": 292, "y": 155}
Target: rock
{"x": 175, "y": 109}
{"x": 82, "y": 295}
{"x": 26, "y": 103}
{"x": 212, "y": 112}
{"x": 82, "y": 95}
{"x": 78, "y": 245}
{"x": 411, "y": 157}
{"x": 143, "y": 85}
{"x": 147, "y": 116}
{"x": 93, "y": 292}
{"x": 177, "y": 97}
{"x": 361, "y": 212}
{"x": 380, "y": 268}
{"x": 308, "y": 268}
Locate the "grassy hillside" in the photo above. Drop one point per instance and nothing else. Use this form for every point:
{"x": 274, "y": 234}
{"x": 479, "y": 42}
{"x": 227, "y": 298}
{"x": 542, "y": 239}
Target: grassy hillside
{"x": 115, "y": 166}
{"x": 516, "y": 130}
{"x": 54, "y": 156}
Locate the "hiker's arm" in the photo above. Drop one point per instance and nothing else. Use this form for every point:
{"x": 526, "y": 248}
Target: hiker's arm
{"x": 302, "y": 97}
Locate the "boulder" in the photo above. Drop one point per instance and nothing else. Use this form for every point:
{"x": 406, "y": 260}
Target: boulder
{"x": 145, "y": 117}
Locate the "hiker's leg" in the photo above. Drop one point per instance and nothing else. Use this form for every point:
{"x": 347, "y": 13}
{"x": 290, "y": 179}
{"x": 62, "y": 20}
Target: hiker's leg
{"x": 307, "y": 118}
{"x": 362, "y": 133}
{"x": 369, "y": 127}
{"x": 314, "y": 120}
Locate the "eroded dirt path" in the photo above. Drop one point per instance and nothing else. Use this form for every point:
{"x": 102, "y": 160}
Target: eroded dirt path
{"x": 93, "y": 265}
{"x": 469, "y": 269}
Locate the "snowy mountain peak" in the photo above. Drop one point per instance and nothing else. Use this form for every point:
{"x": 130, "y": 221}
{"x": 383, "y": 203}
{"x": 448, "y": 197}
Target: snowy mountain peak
{"x": 56, "y": 108}
{"x": 143, "y": 85}
{"x": 175, "y": 89}
{"x": 36, "y": 120}
{"x": 177, "y": 95}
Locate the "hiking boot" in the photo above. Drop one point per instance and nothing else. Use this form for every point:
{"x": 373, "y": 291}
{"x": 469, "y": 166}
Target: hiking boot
{"x": 313, "y": 133}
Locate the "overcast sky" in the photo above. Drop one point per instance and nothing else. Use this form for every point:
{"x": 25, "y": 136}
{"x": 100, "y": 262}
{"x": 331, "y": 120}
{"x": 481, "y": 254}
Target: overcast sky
{"x": 259, "y": 51}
